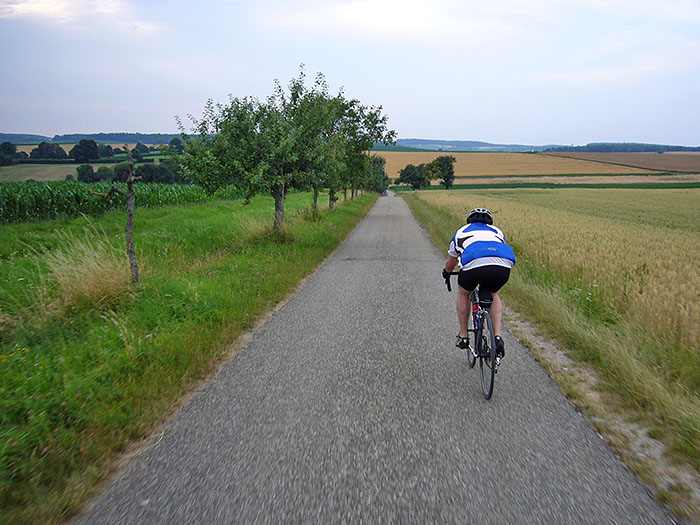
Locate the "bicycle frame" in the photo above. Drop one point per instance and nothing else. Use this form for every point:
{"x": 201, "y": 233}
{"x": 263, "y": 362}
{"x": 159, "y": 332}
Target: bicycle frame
{"x": 484, "y": 347}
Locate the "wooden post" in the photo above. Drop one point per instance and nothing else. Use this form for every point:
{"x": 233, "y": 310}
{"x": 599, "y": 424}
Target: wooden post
{"x": 130, "y": 213}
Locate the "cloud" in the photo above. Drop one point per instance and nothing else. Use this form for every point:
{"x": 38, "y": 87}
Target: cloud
{"x": 405, "y": 22}
{"x": 117, "y": 13}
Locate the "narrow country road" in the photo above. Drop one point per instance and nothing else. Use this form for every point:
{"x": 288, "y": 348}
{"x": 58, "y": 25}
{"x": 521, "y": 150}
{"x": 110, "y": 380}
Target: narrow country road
{"x": 351, "y": 404}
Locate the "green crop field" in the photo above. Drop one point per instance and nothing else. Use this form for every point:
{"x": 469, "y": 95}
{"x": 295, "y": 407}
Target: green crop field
{"x": 49, "y": 200}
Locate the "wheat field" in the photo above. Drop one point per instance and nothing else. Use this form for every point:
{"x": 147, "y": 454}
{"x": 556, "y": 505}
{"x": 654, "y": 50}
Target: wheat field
{"x": 620, "y": 270}
{"x": 638, "y": 248}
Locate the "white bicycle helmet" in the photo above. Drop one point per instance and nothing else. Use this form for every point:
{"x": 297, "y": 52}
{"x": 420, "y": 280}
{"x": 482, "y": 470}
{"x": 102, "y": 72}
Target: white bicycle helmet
{"x": 480, "y": 215}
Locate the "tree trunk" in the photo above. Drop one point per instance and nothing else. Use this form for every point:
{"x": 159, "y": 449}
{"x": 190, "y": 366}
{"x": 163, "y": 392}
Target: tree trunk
{"x": 331, "y": 198}
{"x": 315, "y": 198}
{"x": 278, "y": 194}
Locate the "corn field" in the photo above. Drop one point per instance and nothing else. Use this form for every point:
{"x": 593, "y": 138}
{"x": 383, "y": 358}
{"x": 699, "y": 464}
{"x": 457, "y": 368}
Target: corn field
{"x": 33, "y": 201}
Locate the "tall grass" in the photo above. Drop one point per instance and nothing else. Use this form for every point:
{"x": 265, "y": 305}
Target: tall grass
{"x": 86, "y": 271}
{"x": 617, "y": 286}
{"x": 79, "y": 385}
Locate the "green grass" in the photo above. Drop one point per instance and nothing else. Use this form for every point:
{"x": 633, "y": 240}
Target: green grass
{"x": 81, "y": 377}
{"x": 38, "y": 172}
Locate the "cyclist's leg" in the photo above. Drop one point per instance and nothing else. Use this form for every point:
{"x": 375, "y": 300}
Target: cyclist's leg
{"x": 493, "y": 279}
{"x": 466, "y": 283}
{"x": 496, "y": 311}
{"x": 464, "y": 308}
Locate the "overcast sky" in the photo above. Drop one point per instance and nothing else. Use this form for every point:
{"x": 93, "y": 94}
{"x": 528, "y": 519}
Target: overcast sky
{"x": 505, "y": 71}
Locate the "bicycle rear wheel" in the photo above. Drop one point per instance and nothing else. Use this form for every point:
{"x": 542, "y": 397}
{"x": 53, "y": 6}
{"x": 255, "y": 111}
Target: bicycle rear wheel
{"x": 487, "y": 355}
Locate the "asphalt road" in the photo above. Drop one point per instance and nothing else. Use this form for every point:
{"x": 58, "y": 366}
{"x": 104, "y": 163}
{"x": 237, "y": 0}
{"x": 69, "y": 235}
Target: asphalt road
{"x": 351, "y": 404}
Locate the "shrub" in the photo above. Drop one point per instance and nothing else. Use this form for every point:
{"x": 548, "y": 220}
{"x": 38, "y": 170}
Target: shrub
{"x": 104, "y": 173}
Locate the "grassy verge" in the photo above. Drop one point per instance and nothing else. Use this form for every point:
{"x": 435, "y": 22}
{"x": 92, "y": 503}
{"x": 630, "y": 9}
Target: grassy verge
{"x": 552, "y": 185}
{"x": 87, "y": 365}
{"x": 643, "y": 346}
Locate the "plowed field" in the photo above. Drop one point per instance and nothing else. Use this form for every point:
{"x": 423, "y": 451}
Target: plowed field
{"x": 503, "y": 164}
{"x": 673, "y": 161}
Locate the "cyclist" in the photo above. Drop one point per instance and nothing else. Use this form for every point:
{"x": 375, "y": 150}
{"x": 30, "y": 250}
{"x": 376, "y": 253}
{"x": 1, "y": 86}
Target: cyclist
{"x": 485, "y": 260}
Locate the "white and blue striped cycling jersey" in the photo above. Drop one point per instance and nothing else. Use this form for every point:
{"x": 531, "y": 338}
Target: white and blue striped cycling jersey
{"x": 478, "y": 244}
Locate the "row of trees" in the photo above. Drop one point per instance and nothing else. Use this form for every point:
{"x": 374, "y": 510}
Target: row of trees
{"x": 298, "y": 138}
{"x": 86, "y": 150}
{"x": 167, "y": 171}
{"x": 441, "y": 168}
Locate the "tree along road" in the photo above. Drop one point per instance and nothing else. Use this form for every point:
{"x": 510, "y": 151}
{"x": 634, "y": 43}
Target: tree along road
{"x": 352, "y": 404}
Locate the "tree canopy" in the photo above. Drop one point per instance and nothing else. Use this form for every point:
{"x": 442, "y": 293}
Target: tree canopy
{"x": 84, "y": 151}
{"x": 299, "y": 137}
{"x": 414, "y": 176}
{"x": 441, "y": 168}
{"x": 48, "y": 150}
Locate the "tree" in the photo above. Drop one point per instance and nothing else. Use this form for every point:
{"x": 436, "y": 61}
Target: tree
{"x": 159, "y": 173}
{"x": 7, "y": 153}
{"x": 137, "y": 155}
{"x": 298, "y": 137}
{"x": 84, "y": 151}
{"x": 48, "y": 150}
{"x": 140, "y": 148}
{"x": 8, "y": 148}
{"x": 85, "y": 173}
{"x": 414, "y": 176}
{"x": 225, "y": 149}
{"x": 105, "y": 150}
{"x": 104, "y": 173}
{"x": 442, "y": 168}
{"x": 364, "y": 127}
{"x": 120, "y": 172}
{"x": 378, "y": 181}
{"x": 173, "y": 168}
{"x": 177, "y": 144}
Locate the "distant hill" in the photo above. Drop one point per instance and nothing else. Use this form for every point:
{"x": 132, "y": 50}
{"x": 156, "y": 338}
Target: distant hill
{"x": 117, "y": 138}
{"x": 622, "y": 147}
{"x": 401, "y": 144}
{"x": 382, "y": 147}
{"x": 19, "y": 138}
{"x": 103, "y": 138}
{"x": 466, "y": 145}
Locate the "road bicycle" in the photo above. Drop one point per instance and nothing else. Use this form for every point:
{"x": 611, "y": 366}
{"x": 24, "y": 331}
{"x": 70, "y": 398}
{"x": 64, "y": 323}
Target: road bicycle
{"x": 482, "y": 342}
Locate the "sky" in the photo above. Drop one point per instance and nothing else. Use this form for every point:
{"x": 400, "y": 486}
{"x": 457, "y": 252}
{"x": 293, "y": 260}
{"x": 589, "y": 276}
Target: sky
{"x": 505, "y": 71}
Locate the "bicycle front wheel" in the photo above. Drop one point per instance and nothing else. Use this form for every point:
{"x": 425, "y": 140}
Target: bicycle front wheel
{"x": 487, "y": 354}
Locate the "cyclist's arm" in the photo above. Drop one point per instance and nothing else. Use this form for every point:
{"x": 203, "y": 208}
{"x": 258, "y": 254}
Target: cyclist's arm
{"x": 450, "y": 263}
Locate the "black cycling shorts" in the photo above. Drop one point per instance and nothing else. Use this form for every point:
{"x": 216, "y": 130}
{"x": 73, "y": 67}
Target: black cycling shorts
{"x": 490, "y": 278}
